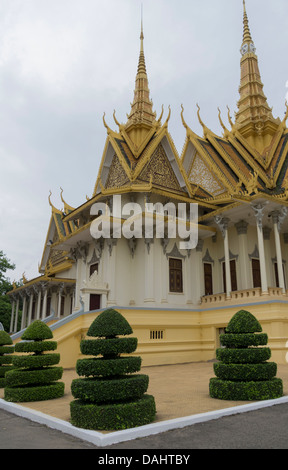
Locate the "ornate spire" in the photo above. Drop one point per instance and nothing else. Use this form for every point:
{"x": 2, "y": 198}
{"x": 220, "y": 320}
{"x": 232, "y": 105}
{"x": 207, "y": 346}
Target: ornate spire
{"x": 247, "y": 38}
{"x": 254, "y": 118}
{"x": 141, "y": 108}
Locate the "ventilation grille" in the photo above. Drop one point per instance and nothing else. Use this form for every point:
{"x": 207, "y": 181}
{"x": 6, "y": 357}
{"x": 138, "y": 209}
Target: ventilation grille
{"x": 156, "y": 334}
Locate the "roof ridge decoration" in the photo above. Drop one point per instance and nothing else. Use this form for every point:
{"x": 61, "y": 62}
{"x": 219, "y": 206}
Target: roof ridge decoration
{"x": 254, "y": 118}
{"x": 67, "y": 207}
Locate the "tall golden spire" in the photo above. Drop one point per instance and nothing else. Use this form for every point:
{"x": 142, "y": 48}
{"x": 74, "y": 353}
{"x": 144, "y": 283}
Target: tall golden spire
{"x": 247, "y": 39}
{"x": 254, "y": 118}
{"x": 141, "y": 113}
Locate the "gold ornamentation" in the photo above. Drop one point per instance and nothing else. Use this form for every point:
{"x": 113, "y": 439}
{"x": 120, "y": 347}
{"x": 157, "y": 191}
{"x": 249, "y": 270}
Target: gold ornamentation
{"x": 159, "y": 171}
{"x": 117, "y": 176}
{"x": 202, "y": 176}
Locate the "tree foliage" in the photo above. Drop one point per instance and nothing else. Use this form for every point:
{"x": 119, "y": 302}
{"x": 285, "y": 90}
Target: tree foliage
{"x": 6, "y": 286}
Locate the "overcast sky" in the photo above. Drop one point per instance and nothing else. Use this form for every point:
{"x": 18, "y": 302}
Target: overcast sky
{"x": 63, "y": 63}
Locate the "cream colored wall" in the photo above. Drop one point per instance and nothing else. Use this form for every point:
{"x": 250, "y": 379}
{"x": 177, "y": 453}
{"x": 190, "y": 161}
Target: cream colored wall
{"x": 188, "y": 336}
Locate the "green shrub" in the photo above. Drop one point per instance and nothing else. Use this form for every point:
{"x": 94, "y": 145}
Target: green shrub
{"x": 98, "y": 390}
{"x": 239, "y": 356}
{"x": 113, "y": 346}
{"x": 109, "y": 325}
{"x": 114, "y": 416}
{"x": 37, "y": 331}
{"x": 107, "y": 398}
{"x": 34, "y": 362}
{"x": 34, "y": 392}
{"x": 243, "y": 322}
{"x": 260, "y": 390}
{"x": 243, "y": 373}
{"x": 6, "y": 356}
{"x": 36, "y": 346}
{"x": 108, "y": 367}
{"x": 243, "y": 340}
{"x": 33, "y": 378}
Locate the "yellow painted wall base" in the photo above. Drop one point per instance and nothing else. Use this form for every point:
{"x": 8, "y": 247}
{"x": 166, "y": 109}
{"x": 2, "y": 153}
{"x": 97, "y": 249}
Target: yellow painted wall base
{"x": 177, "y": 336}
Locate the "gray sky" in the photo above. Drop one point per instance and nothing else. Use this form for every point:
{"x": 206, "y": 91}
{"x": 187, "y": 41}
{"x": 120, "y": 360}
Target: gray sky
{"x": 63, "y": 63}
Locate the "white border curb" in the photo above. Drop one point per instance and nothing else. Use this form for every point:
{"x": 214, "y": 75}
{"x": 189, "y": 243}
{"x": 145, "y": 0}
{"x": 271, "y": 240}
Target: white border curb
{"x": 103, "y": 440}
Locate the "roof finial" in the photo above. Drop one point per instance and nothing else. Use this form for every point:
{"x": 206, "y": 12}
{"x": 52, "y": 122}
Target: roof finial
{"x": 141, "y": 108}
{"x": 247, "y": 38}
{"x": 141, "y": 64}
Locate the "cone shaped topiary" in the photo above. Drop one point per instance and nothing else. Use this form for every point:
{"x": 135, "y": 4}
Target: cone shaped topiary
{"x": 110, "y": 396}
{"x": 243, "y": 372}
{"x": 34, "y": 377}
{"x": 6, "y": 351}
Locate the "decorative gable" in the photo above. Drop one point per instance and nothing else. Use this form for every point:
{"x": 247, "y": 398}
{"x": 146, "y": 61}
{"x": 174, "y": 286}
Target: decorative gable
{"x": 159, "y": 171}
{"x": 117, "y": 176}
{"x": 201, "y": 175}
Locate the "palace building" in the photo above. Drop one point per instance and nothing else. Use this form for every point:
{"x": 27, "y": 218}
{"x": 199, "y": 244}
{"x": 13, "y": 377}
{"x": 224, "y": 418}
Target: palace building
{"x": 177, "y": 300}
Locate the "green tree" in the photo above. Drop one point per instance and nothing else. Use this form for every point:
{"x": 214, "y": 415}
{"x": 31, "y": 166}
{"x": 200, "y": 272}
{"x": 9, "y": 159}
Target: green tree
{"x": 6, "y": 286}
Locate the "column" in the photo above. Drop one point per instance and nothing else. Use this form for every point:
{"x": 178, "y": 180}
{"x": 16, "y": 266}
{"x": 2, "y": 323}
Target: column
{"x": 44, "y": 306}
{"x": 164, "y": 270}
{"x": 24, "y": 312}
{"x": 268, "y": 256}
{"x": 258, "y": 210}
{"x": 244, "y": 266}
{"x": 38, "y": 304}
{"x": 16, "y": 315}
{"x": 197, "y": 275}
{"x": 12, "y": 316}
{"x": 110, "y": 273}
{"x": 30, "y": 308}
{"x": 222, "y": 222}
{"x": 60, "y": 291}
{"x": 277, "y": 218}
{"x": 149, "y": 270}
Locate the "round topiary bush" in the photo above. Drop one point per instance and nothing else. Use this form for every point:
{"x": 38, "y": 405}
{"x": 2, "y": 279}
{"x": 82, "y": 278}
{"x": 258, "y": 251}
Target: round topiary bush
{"x": 34, "y": 378}
{"x": 243, "y": 372}
{"x": 6, "y": 351}
{"x": 110, "y": 396}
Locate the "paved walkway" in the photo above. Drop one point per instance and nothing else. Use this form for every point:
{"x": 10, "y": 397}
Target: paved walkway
{"x": 179, "y": 391}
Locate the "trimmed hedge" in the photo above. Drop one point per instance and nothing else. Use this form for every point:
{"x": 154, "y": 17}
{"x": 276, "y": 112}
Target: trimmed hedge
{"x": 6, "y": 355}
{"x": 240, "y": 356}
{"x": 109, "y": 325}
{"x": 243, "y": 322}
{"x": 113, "y": 346}
{"x": 114, "y": 416}
{"x": 36, "y": 346}
{"x": 107, "y": 398}
{"x": 33, "y": 378}
{"x": 260, "y": 390}
{"x": 37, "y": 331}
{"x": 243, "y": 373}
{"x": 99, "y": 390}
{"x": 108, "y": 367}
{"x": 35, "y": 362}
{"x": 243, "y": 340}
{"x": 34, "y": 392}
